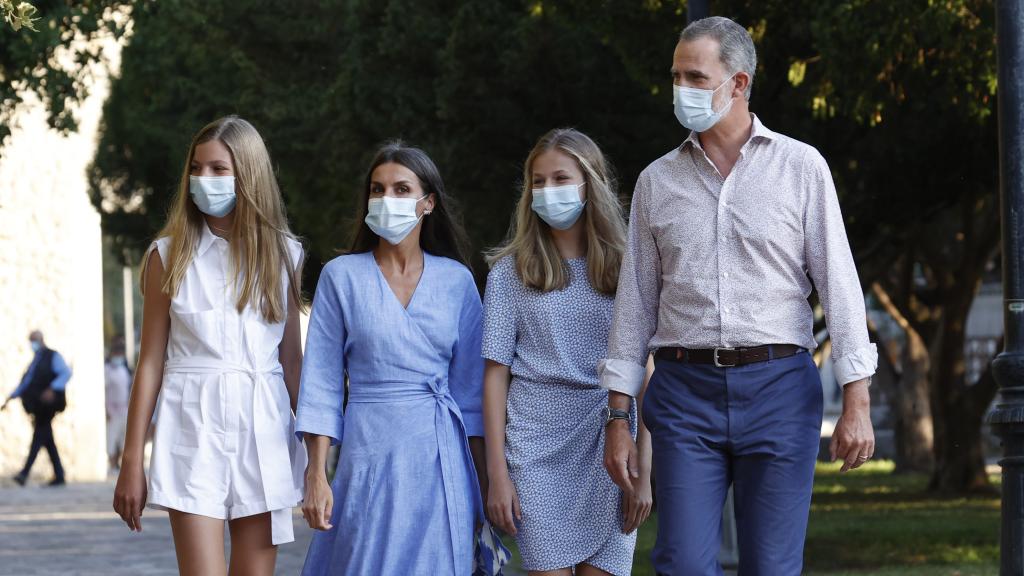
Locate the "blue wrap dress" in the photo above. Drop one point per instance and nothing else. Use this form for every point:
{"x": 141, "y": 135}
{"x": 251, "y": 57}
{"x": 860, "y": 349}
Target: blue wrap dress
{"x": 406, "y": 497}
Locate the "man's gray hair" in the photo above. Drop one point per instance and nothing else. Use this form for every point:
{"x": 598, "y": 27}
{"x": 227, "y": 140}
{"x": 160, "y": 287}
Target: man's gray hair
{"x": 735, "y": 46}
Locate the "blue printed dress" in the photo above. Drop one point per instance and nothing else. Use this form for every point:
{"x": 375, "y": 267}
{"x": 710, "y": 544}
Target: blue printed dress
{"x": 406, "y": 497}
{"x": 554, "y": 436}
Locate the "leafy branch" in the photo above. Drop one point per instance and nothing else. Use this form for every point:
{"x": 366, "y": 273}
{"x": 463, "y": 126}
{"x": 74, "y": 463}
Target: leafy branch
{"x": 19, "y": 16}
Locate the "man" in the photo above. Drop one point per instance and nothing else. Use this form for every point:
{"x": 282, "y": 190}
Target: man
{"x": 42, "y": 392}
{"x": 118, "y": 379}
{"x": 727, "y": 234}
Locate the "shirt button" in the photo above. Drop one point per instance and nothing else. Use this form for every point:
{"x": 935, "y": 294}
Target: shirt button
{"x": 725, "y": 275}
{"x": 722, "y": 238}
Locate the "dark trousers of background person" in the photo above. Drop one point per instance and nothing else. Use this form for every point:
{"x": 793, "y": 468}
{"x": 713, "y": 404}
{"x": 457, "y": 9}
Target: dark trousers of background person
{"x": 42, "y": 437}
{"x": 756, "y": 427}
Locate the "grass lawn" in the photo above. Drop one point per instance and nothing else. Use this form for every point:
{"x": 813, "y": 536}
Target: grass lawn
{"x": 872, "y": 522}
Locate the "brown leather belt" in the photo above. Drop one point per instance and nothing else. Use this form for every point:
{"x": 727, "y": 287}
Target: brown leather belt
{"x": 728, "y": 357}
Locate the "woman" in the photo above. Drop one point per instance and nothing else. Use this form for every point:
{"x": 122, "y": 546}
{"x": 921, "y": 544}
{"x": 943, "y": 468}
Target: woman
{"x": 547, "y": 314}
{"x": 220, "y": 344}
{"x": 399, "y": 318}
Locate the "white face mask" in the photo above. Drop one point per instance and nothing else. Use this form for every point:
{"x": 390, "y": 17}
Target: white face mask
{"x": 213, "y": 195}
{"x": 392, "y": 218}
{"x": 559, "y": 206}
{"x": 693, "y": 106}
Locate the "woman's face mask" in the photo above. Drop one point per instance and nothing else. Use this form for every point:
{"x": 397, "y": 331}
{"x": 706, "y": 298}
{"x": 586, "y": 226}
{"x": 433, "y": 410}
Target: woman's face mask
{"x": 392, "y": 218}
{"x": 559, "y": 206}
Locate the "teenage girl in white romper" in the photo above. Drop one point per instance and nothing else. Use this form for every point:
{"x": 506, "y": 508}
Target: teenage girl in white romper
{"x": 220, "y": 363}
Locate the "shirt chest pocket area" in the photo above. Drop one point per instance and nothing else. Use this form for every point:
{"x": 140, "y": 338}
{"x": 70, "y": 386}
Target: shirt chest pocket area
{"x": 198, "y": 333}
{"x": 766, "y": 225}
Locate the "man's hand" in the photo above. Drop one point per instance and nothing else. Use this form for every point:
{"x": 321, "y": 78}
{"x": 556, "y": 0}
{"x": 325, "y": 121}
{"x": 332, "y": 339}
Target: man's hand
{"x": 48, "y": 396}
{"x": 4, "y": 407}
{"x": 853, "y": 440}
{"x": 620, "y": 456}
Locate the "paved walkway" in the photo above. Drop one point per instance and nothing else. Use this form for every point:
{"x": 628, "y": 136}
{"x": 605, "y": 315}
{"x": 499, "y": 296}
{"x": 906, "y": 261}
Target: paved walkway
{"x": 72, "y": 530}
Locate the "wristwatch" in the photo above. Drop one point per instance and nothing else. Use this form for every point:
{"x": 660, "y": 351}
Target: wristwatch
{"x": 613, "y": 414}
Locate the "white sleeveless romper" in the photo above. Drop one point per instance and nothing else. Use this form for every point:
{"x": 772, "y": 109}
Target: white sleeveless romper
{"x": 225, "y": 445}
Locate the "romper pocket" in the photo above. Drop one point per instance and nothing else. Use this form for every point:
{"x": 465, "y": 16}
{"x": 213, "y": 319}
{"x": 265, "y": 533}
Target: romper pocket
{"x": 190, "y": 416}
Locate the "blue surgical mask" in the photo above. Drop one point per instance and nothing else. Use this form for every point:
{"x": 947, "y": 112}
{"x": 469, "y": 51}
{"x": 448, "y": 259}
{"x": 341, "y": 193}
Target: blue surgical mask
{"x": 213, "y": 195}
{"x": 36, "y": 346}
{"x": 559, "y": 206}
{"x": 392, "y": 218}
{"x": 693, "y": 107}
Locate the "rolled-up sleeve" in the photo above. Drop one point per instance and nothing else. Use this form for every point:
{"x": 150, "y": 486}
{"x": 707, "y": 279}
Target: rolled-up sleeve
{"x": 635, "y": 316}
{"x": 466, "y": 371}
{"x": 831, "y": 267}
{"x": 322, "y": 389}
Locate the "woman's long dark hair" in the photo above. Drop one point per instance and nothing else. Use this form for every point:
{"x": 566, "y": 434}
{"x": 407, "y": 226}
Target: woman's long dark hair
{"x": 442, "y": 234}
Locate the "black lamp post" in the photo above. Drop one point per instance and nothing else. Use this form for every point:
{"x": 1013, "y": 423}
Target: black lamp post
{"x": 1007, "y": 419}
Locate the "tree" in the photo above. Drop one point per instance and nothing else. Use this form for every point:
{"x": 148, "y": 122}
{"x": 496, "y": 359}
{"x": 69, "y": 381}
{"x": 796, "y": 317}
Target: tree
{"x": 45, "y": 51}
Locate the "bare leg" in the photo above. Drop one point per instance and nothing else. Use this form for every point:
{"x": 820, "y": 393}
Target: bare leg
{"x": 199, "y": 544}
{"x": 588, "y": 570}
{"x": 559, "y": 572}
{"x": 252, "y": 553}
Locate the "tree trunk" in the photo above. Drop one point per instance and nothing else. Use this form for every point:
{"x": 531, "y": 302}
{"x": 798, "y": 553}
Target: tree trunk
{"x": 958, "y": 409}
{"x": 913, "y": 417}
{"x": 910, "y": 404}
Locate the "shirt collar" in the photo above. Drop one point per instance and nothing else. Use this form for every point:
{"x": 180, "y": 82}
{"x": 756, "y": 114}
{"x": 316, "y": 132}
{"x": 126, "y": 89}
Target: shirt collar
{"x": 206, "y": 239}
{"x": 758, "y": 131}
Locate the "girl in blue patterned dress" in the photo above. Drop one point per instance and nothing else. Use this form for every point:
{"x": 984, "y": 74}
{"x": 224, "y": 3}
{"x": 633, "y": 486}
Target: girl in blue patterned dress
{"x": 547, "y": 313}
{"x": 400, "y": 318}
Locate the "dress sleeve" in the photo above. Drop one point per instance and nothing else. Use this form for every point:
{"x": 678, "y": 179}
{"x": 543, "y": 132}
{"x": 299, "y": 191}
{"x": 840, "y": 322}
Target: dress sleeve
{"x": 466, "y": 372}
{"x": 500, "y": 324}
{"x": 322, "y": 389}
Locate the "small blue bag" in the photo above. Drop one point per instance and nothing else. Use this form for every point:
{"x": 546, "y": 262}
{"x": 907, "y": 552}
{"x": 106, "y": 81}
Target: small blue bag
{"x": 490, "y": 554}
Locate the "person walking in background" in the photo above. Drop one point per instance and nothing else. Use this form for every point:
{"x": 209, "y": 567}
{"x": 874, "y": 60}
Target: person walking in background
{"x": 42, "y": 394}
{"x": 728, "y": 234}
{"x": 221, "y": 346}
{"x": 547, "y": 312}
{"x": 400, "y": 316}
{"x": 117, "y": 377}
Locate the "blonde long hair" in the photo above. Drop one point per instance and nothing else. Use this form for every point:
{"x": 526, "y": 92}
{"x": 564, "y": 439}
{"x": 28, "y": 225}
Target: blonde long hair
{"x": 259, "y": 235}
{"x": 537, "y": 260}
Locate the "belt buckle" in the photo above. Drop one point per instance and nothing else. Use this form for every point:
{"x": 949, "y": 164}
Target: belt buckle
{"x": 719, "y": 364}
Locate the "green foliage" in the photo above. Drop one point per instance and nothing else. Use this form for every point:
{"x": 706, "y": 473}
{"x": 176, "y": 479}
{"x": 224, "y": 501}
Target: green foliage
{"x": 903, "y": 112}
{"x": 52, "y": 59}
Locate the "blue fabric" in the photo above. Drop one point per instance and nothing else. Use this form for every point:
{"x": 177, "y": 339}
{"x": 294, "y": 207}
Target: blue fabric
{"x": 554, "y": 437}
{"x": 490, "y": 555}
{"x": 406, "y": 496}
{"x": 60, "y": 369}
{"x": 755, "y": 426}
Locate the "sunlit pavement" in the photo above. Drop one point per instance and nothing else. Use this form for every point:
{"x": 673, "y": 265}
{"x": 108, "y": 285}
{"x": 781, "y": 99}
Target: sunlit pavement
{"x": 72, "y": 530}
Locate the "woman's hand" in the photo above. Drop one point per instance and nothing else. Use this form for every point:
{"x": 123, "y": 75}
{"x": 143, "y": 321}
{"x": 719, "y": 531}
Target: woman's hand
{"x": 130, "y": 495}
{"x": 636, "y": 505}
{"x": 503, "y": 504}
{"x": 319, "y": 502}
